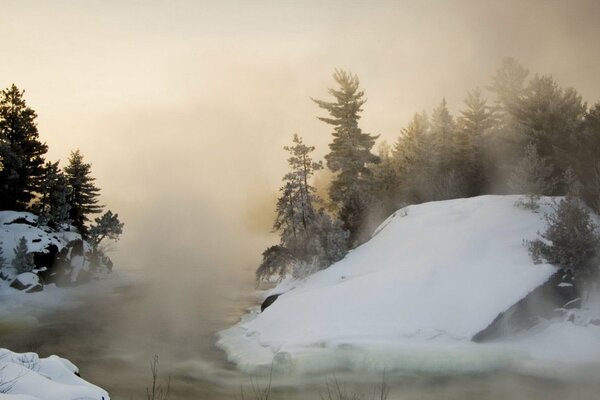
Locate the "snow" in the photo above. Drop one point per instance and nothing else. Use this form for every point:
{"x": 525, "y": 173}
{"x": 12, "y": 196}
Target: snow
{"x": 28, "y": 279}
{"x": 412, "y": 297}
{"x": 38, "y": 238}
{"x": 27, "y": 376}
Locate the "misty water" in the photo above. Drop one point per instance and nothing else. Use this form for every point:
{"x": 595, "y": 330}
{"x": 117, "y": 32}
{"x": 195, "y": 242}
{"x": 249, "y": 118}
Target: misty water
{"x": 112, "y": 336}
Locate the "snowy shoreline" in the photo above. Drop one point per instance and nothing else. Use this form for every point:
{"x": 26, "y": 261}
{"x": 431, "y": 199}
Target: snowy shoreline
{"x": 412, "y": 298}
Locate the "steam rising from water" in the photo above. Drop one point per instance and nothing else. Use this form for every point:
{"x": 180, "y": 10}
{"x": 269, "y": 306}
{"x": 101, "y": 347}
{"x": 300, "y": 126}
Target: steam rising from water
{"x": 183, "y": 111}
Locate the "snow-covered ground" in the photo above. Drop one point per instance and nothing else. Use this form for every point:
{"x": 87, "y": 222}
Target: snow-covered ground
{"x": 413, "y": 296}
{"x": 25, "y": 376}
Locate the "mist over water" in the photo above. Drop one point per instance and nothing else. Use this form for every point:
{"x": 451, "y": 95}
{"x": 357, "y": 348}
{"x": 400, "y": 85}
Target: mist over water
{"x": 183, "y": 110}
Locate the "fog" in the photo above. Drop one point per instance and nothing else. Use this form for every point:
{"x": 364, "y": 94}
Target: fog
{"x": 183, "y": 107}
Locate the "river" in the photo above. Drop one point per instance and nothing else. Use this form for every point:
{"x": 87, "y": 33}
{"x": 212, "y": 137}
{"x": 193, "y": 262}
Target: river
{"x": 113, "y": 337}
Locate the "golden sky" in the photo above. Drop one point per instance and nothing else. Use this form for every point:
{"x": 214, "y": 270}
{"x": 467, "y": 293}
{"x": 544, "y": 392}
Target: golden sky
{"x": 185, "y": 105}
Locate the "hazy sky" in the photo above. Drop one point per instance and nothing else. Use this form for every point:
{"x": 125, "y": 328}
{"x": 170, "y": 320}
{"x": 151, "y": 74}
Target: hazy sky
{"x": 183, "y": 107}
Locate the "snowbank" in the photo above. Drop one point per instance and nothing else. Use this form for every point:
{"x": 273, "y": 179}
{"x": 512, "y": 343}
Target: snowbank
{"x": 26, "y": 376}
{"x": 412, "y": 297}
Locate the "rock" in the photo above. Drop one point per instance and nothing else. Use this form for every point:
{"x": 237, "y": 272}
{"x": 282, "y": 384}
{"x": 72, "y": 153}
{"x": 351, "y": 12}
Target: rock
{"x": 28, "y": 282}
{"x": 44, "y": 261}
{"x": 268, "y": 301}
{"x": 552, "y": 299}
{"x": 21, "y": 220}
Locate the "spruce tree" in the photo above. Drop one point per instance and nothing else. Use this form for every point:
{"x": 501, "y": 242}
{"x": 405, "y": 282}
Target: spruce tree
{"x": 532, "y": 176}
{"x": 23, "y": 260}
{"x": 21, "y": 151}
{"x": 295, "y": 207}
{"x": 571, "y": 241}
{"x": 386, "y": 183}
{"x": 83, "y": 193}
{"x": 350, "y": 155}
{"x": 447, "y": 182}
{"x": 550, "y": 118}
{"x": 473, "y": 124}
{"x": 52, "y": 205}
{"x": 413, "y": 151}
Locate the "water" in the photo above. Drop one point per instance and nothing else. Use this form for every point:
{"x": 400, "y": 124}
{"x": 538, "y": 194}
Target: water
{"x": 113, "y": 337}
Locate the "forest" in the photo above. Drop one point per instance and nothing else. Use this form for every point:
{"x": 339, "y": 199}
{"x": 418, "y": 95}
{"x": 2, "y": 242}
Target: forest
{"x": 522, "y": 134}
{"x": 61, "y": 198}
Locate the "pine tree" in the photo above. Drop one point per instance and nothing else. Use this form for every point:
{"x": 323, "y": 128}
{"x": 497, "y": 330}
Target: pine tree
{"x": 532, "y": 176}
{"x": 350, "y": 155}
{"x": 550, "y": 118}
{"x": 23, "y": 260}
{"x": 475, "y": 121}
{"x": 52, "y": 206}
{"x": 295, "y": 206}
{"x": 309, "y": 239}
{"x": 508, "y": 83}
{"x": 386, "y": 183}
{"x": 83, "y": 194}
{"x": 413, "y": 151}
{"x": 585, "y": 158}
{"x": 21, "y": 151}
{"x": 107, "y": 226}
{"x": 446, "y": 181}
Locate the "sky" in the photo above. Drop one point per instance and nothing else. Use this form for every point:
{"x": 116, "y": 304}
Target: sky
{"x": 183, "y": 107}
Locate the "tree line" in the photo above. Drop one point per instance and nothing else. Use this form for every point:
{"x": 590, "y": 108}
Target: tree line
{"x": 533, "y": 138}
{"x": 61, "y": 197}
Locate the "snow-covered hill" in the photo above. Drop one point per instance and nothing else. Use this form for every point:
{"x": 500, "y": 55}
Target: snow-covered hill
{"x": 412, "y": 297}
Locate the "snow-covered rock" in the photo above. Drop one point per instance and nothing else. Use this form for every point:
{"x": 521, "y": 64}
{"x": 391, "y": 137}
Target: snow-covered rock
{"x": 28, "y": 282}
{"x": 60, "y": 256}
{"x": 432, "y": 277}
{"x": 27, "y": 376}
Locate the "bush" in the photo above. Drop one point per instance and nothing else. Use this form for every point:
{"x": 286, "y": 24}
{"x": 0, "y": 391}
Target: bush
{"x": 571, "y": 241}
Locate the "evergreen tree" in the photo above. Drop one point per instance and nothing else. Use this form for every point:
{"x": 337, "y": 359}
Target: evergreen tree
{"x": 309, "y": 239}
{"x": 532, "y": 176}
{"x": 83, "y": 193}
{"x": 508, "y": 83}
{"x": 277, "y": 261}
{"x": 295, "y": 206}
{"x": 386, "y": 184}
{"x": 446, "y": 181}
{"x": 23, "y": 260}
{"x": 52, "y": 205}
{"x": 473, "y": 124}
{"x": 442, "y": 131}
{"x": 21, "y": 151}
{"x": 571, "y": 240}
{"x": 585, "y": 158}
{"x": 350, "y": 155}
{"x": 549, "y": 118}
{"x": 413, "y": 151}
{"x": 106, "y": 226}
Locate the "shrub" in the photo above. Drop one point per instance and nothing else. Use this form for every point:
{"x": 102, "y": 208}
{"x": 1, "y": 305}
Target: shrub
{"x": 571, "y": 241}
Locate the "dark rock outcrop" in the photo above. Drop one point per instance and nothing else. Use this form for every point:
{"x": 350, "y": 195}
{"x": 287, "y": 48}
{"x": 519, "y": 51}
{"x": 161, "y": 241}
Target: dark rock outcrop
{"x": 27, "y": 282}
{"x": 268, "y": 301}
{"x": 44, "y": 261}
{"x": 549, "y": 300}
{"x": 21, "y": 220}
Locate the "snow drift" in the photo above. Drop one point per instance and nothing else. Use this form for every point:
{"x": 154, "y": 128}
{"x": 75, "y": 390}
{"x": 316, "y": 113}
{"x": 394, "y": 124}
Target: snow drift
{"x": 432, "y": 276}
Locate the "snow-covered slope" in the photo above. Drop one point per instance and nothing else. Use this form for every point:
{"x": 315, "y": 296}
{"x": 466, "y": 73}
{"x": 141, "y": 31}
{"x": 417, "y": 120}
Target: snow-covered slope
{"x": 26, "y": 376}
{"x": 434, "y": 274}
{"x": 14, "y": 225}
